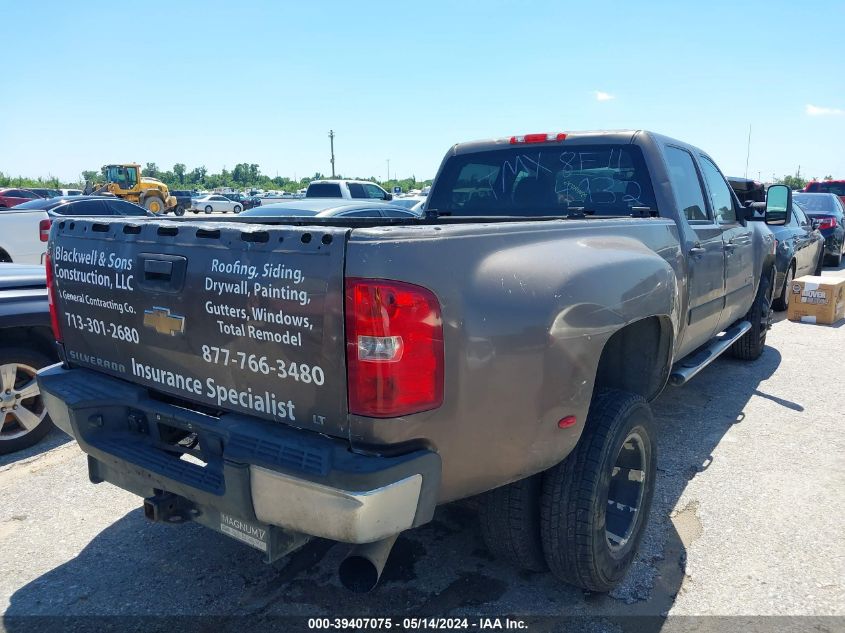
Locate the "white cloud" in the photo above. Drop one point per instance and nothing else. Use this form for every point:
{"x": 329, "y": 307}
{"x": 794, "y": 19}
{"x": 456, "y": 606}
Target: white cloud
{"x": 603, "y": 96}
{"x": 812, "y": 110}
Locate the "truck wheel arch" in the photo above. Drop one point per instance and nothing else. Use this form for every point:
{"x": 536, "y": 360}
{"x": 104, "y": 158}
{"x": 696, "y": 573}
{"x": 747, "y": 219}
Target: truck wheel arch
{"x": 4, "y": 257}
{"x": 637, "y": 358}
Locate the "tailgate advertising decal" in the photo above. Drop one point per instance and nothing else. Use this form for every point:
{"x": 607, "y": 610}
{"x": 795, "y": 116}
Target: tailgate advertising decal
{"x": 248, "y": 328}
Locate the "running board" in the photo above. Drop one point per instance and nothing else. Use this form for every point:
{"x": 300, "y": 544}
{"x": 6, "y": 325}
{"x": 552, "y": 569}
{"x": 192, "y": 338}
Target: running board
{"x": 690, "y": 365}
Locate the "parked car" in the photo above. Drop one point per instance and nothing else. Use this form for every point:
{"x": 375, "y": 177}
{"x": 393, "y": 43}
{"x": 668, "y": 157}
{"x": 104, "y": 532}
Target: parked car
{"x": 71, "y": 192}
{"x": 24, "y": 229}
{"x": 26, "y": 345}
{"x": 341, "y": 381}
{"x": 215, "y": 202}
{"x": 348, "y": 189}
{"x": 46, "y": 193}
{"x": 330, "y": 208}
{"x": 836, "y": 187}
{"x": 828, "y": 212}
{"x": 245, "y": 201}
{"x": 13, "y": 197}
{"x": 800, "y": 251}
{"x": 183, "y": 200}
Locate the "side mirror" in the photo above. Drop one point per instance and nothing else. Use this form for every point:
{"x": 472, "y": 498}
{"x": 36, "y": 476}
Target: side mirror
{"x": 778, "y": 205}
{"x": 388, "y": 196}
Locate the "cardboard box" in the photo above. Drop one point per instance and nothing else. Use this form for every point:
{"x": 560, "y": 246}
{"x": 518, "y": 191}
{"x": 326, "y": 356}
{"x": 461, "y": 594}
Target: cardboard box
{"x": 817, "y": 299}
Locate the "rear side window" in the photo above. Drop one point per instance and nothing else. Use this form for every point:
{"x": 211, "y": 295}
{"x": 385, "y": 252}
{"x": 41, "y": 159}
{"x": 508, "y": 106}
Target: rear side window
{"x": 686, "y": 185}
{"x": 120, "y": 207}
{"x": 324, "y": 190}
{"x": 83, "y": 207}
{"x": 545, "y": 181}
{"x": 720, "y": 193}
{"x": 356, "y": 190}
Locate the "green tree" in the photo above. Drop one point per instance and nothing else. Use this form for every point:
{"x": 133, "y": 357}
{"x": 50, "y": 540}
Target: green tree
{"x": 198, "y": 175}
{"x": 90, "y": 175}
{"x": 179, "y": 171}
{"x": 240, "y": 174}
{"x": 793, "y": 182}
{"x": 151, "y": 170}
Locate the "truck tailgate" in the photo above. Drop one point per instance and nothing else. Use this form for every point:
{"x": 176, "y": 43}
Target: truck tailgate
{"x": 237, "y": 317}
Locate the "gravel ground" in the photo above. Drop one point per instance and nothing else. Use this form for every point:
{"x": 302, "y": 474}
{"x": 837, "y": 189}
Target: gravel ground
{"x": 746, "y": 521}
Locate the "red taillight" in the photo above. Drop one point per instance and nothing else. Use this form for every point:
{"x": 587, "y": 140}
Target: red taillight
{"x": 44, "y": 230}
{"x": 51, "y": 299}
{"x": 394, "y": 348}
{"x": 537, "y": 138}
{"x": 828, "y": 223}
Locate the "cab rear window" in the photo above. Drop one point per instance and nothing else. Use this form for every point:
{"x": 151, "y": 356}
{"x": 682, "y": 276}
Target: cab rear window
{"x": 601, "y": 180}
{"x": 324, "y": 190}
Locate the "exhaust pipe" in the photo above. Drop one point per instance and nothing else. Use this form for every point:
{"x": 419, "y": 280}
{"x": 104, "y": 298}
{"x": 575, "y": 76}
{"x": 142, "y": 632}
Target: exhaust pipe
{"x": 361, "y": 570}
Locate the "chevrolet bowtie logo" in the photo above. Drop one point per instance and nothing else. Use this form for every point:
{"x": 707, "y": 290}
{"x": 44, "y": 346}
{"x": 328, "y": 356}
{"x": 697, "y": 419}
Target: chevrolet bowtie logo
{"x": 163, "y": 322}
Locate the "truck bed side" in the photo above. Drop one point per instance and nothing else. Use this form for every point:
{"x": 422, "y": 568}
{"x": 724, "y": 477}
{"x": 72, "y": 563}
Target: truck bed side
{"x": 527, "y": 310}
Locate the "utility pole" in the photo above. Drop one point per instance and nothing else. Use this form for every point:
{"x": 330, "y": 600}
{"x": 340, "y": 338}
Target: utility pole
{"x": 388, "y": 169}
{"x": 331, "y": 142}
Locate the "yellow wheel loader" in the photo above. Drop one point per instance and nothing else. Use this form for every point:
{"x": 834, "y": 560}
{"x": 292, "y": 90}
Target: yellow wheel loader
{"x": 126, "y": 181}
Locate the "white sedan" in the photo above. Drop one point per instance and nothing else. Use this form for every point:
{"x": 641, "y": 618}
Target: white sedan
{"x": 215, "y": 202}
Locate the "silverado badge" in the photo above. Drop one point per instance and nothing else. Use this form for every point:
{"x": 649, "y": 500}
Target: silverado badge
{"x": 163, "y": 322}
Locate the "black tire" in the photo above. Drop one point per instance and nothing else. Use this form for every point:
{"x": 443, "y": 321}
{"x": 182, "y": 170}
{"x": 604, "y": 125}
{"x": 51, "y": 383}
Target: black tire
{"x": 13, "y": 435}
{"x": 578, "y": 519}
{"x": 4, "y": 258}
{"x": 209, "y": 209}
{"x": 237, "y": 209}
{"x": 836, "y": 261}
{"x": 179, "y": 210}
{"x": 752, "y": 343}
{"x": 782, "y": 302}
{"x": 510, "y": 523}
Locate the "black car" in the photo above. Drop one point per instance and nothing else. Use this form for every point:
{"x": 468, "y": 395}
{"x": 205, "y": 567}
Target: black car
{"x": 800, "y": 251}
{"x": 45, "y": 193}
{"x": 828, "y": 212}
{"x": 26, "y": 345}
{"x": 183, "y": 200}
{"x": 85, "y": 205}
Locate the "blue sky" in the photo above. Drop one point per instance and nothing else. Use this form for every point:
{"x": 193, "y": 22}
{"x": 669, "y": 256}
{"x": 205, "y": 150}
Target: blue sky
{"x": 218, "y": 83}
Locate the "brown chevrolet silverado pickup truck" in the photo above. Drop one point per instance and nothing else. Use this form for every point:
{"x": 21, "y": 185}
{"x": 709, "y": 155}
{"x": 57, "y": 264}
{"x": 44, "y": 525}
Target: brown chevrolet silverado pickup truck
{"x": 279, "y": 380}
